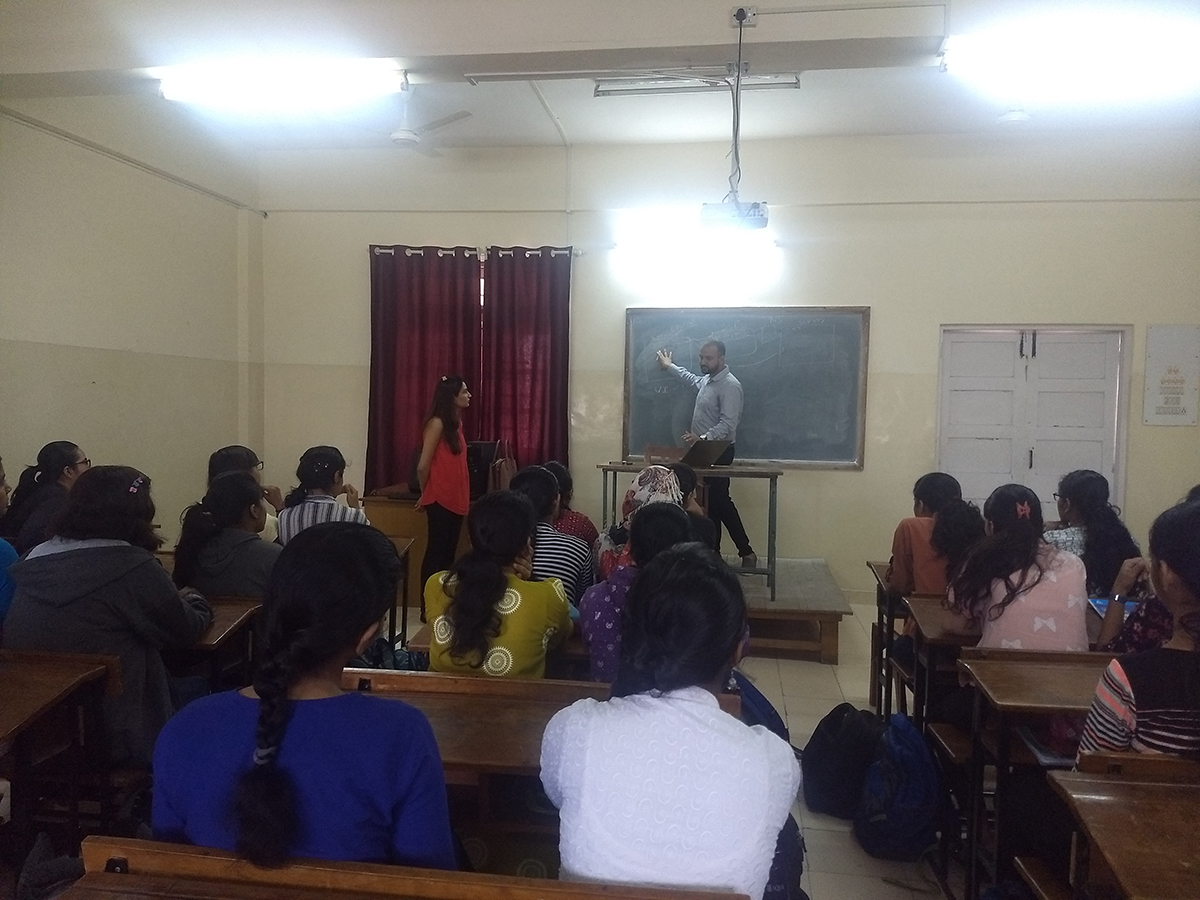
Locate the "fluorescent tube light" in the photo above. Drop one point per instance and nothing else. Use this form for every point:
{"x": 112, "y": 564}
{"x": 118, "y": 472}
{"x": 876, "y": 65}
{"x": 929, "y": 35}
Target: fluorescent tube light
{"x": 671, "y": 84}
{"x": 280, "y": 86}
{"x": 1086, "y": 56}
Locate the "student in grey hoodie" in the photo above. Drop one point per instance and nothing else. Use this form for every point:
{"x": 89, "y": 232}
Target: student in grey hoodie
{"x": 219, "y": 552}
{"x": 95, "y": 587}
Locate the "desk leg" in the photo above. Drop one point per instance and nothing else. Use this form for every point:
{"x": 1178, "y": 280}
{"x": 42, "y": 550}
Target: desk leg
{"x": 887, "y": 619}
{"x": 975, "y": 807}
{"x": 1004, "y": 868}
{"x": 772, "y": 521}
{"x": 403, "y": 604}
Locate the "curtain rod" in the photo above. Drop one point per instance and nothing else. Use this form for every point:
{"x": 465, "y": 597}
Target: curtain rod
{"x": 481, "y": 252}
{"x": 117, "y": 156}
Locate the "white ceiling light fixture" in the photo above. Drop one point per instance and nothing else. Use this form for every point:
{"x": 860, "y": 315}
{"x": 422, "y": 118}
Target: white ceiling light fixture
{"x": 682, "y": 83}
{"x": 280, "y": 86}
{"x": 1088, "y": 55}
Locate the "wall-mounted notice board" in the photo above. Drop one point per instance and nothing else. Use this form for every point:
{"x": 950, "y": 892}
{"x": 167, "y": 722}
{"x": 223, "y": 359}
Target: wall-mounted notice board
{"x": 803, "y": 371}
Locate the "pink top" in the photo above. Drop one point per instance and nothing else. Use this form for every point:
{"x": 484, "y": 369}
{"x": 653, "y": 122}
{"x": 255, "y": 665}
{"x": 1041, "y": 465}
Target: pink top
{"x": 449, "y": 485}
{"x": 1051, "y": 615}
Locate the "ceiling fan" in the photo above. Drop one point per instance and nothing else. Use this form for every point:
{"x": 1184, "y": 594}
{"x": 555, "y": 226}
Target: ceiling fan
{"x": 410, "y": 137}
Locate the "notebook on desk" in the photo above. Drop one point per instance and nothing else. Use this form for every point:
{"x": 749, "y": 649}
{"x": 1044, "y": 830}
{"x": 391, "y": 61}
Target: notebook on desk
{"x": 703, "y": 454}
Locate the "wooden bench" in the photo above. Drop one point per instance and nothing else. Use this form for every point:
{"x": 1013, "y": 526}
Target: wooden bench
{"x": 125, "y": 867}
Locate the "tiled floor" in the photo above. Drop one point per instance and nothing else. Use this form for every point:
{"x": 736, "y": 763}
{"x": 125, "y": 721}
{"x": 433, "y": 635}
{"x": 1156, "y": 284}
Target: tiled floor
{"x": 803, "y": 692}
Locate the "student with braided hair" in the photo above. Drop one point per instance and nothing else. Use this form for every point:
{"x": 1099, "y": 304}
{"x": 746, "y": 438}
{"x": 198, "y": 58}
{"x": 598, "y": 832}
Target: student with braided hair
{"x": 292, "y": 766}
{"x": 1024, "y": 593}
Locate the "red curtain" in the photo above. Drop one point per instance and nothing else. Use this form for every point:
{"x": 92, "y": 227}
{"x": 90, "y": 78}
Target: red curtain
{"x": 425, "y": 323}
{"x": 526, "y": 351}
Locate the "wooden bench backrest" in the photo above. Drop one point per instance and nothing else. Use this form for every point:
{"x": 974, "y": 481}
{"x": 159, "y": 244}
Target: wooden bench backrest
{"x": 201, "y": 863}
{"x": 390, "y": 681}
{"x": 1035, "y": 656}
{"x": 1141, "y": 766}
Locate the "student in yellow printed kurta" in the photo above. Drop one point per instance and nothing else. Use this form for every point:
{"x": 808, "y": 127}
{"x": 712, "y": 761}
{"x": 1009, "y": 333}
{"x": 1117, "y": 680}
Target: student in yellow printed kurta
{"x": 488, "y": 620}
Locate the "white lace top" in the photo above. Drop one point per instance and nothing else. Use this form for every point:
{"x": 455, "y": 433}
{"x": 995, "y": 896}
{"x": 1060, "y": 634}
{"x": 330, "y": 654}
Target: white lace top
{"x": 667, "y": 790}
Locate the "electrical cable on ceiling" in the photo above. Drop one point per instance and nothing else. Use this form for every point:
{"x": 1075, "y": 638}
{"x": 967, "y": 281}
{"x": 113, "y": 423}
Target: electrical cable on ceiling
{"x": 735, "y": 168}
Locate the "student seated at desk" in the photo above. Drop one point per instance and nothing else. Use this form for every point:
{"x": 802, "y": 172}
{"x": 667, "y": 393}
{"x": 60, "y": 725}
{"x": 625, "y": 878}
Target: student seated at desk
{"x": 320, "y": 472}
{"x": 219, "y": 551}
{"x": 41, "y": 494}
{"x": 236, "y": 458}
{"x": 293, "y": 766}
{"x": 1024, "y": 593}
{"x": 704, "y": 528}
{"x": 1150, "y": 701}
{"x": 95, "y": 587}
{"x": 929, "y": 546}
{"x": 657, "y": 785}
{"x": 8, "y": 554}
{"x": 653, "y": 529}
{"x": 570, "y": 521}
{"x": 654, "y": 484}
{"x": 1091, "y": 528}
{"x": 488, "y": 619}
{"x": 555, "y": 555}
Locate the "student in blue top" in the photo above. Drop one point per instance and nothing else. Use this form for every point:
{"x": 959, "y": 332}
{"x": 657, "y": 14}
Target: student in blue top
{"x": 294, "y": 767}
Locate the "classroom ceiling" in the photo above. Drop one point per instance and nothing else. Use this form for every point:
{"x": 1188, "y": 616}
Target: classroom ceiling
{"x": 863, "y": 67}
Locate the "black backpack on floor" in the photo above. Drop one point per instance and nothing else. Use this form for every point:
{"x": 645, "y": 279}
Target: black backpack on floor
{"x": 836, "y": 759}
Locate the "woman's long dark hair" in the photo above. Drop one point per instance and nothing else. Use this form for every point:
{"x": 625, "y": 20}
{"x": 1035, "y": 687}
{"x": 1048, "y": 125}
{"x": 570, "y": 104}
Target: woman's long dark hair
{"x": 1009, "y": 554}
{"x": 1107, "y": 542}
{"x": 936, "y": 489}
{"x": 34, "y": 480}
{"x": 500, "y": 524}
{"x": 1175, "y": 540}
{"x": 228, "y": 498}
{"x": 444, "y": 408}
{"x": 318, "y": 470}
{"x": 656, "y": 527}
{"x": 331, "y": 582}
{"x": 110, "y": 502}
{"x": 684, "y": 618}
{"x": 957, "y": 528}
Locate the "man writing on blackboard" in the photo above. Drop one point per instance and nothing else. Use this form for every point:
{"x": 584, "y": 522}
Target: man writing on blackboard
{"x": 715, "y": 418}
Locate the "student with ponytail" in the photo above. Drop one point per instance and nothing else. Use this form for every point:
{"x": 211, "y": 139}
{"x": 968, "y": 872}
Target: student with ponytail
{"x": 314, "y": 500}
{"x": 1092, "y": 529}
{"x": 219, "y": 551}
{"x": 924, "y": 543}
{"x": 487, "y": 618}
{"x": 292, "y": 766}
{"x": 1150, "y": 701}
{"x": 41, "y": 494}
{"x": 1024, "y": 593}
{"x": 657, "y": 785}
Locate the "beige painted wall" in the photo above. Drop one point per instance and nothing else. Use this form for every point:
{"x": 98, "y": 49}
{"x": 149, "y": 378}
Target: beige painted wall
{"x": 927, "y": 230}
{"x": 130, "y": 306}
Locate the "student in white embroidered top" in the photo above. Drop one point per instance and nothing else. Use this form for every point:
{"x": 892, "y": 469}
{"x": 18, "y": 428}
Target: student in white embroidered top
{"x": 321, "y": 472}
{"x": 658, "y": 786}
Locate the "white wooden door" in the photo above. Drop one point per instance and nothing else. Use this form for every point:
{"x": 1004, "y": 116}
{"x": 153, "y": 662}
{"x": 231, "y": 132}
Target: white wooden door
{"x": 1027, "y": 405}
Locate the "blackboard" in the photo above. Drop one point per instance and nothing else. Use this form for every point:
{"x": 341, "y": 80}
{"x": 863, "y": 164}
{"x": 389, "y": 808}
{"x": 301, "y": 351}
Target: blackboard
{"x": 803, "y": 371}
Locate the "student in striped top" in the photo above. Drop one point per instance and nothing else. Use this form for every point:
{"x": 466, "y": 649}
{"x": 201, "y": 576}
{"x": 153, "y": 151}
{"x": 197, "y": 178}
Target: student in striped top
{"x": 1150, "y": 701}
{"x": 555, "y": 555}
{"x": 315, "y": 499}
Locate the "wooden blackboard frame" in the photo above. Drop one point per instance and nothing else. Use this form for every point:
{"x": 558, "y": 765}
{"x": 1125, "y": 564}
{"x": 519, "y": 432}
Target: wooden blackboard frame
{"x": 633, "y": 315}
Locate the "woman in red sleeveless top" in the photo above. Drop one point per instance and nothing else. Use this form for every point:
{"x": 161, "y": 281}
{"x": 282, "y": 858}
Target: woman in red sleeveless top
{"x": 442, "y": 472}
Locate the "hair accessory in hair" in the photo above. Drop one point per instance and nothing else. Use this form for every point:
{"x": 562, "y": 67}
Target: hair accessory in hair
{"x": 264, "y": 755}
{"x": 445, "y": 378}
{"x": 1023, "y": 510}
{"x": 137, "y": 483}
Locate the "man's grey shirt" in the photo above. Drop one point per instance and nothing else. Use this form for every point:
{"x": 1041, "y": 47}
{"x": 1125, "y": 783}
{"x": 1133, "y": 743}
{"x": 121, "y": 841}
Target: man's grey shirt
{"x": 718, "y": 404}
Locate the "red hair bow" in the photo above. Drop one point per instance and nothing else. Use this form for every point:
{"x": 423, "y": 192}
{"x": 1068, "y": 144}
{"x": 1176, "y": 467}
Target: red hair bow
{"x": 1023, "y": 510}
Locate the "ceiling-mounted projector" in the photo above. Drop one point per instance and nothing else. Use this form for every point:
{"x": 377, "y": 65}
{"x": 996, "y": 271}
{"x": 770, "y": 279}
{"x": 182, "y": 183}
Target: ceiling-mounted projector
{"x": 734, "y": 213}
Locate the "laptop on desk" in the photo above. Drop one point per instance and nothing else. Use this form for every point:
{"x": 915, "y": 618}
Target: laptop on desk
{"x": 702, "y": 454}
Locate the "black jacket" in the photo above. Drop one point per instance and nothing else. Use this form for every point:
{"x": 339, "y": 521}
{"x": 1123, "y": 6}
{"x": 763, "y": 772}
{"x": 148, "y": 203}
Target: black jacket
{"x": 113, "y": 600}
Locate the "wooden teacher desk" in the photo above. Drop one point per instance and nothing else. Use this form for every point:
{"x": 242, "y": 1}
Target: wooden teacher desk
{"x": 1012, "y": 689}
{"x": 610, "y": 488}
{"x": 1143, "y": 833}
